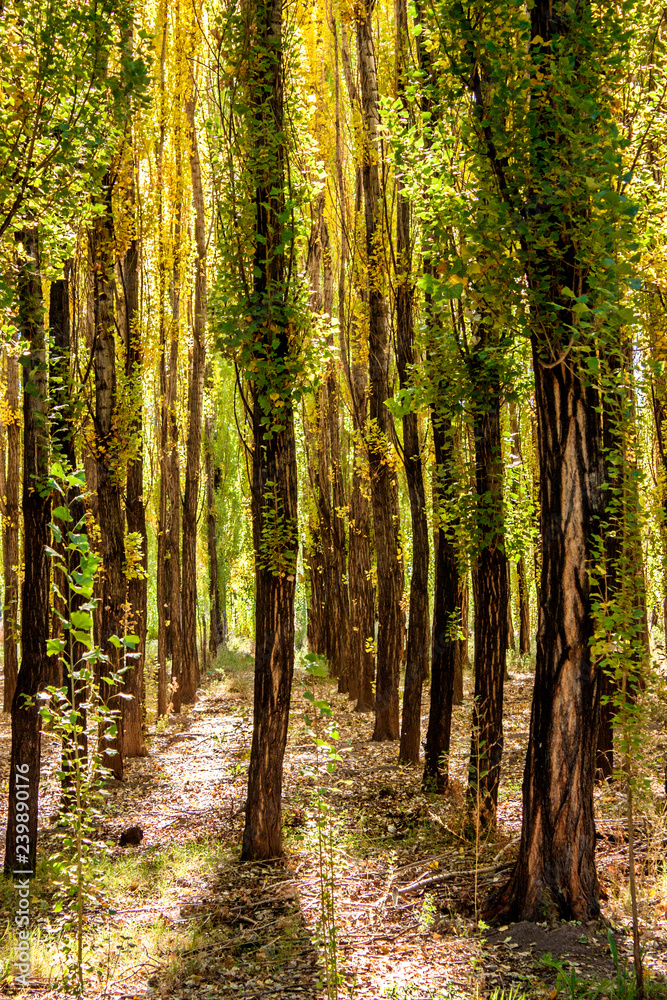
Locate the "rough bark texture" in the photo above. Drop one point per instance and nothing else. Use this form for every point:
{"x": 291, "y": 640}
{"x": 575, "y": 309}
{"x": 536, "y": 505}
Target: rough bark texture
{"x": 555, "y": 871}
{"x": 274, "y": 473}
{"x": 384, "y": 484}
{"x": 10, "y": 526}
{"x": 522, "y": 580}
{"x": 109, "y": 507}
{"x": 193, "y": 452}
{"x": 21, "y": 848}
{"x": 416, "y": 667}
{"x": 445, "y": 605}
{"x": 135, "y": 511}
{"x": 490, "y": 572}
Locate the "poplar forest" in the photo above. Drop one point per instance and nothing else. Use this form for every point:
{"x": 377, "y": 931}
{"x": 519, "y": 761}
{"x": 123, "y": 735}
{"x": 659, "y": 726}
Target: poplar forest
{"x": 333, "y": 496}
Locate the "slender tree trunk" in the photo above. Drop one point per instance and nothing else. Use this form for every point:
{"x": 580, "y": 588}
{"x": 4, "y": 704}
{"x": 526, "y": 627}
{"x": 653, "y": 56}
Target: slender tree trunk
{"x": 491, "y": 603}
{"x": 10, "y": 527}
{"x": 195, "y": 403}
{"x": 107, "y": 456}
{"x": 522, "y": 580}
{"x": 216, "y": 632}
{"x": 445, "y": 606}
{"x": 416, "y": 668}
{"x": 524, "y": 608}
{"x": 461, "y": 644}
{"x": 21, "y": 848}
{"x": 384, "y": 483}
{"x": 163, "y": 591}
{"x": 274, "y": 472}
{"x": 135, "y": 511}
{"x": 173, "y": 503}
{"x": 63, "y": 430}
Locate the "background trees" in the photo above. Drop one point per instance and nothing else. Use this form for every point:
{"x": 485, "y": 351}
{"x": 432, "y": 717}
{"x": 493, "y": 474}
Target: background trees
{"x": 385, "y": 258}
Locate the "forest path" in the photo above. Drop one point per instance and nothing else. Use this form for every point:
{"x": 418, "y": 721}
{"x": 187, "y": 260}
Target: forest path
{"x": 179, "y": 916}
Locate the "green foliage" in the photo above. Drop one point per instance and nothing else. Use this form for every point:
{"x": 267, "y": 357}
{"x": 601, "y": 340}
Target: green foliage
{"x": 76, "y": 715}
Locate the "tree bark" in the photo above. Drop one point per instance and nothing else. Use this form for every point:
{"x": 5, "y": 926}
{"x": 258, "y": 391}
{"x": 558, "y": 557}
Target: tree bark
{"x": 445, "y": 606}
{"x": 135, "y": 511}
{"x": 193, "y": 451}
{"x": 524, "y": 608}
{"x": 416, "y": 668}
{"x": 384, "y": 484}
{"x": 274, "y": 472}
{"x": 491, "y": 601}
{"x": 21, "y": 848}
{"x": 107, "y": 459}
{"x": 216, "y": 631}
{"x": 555, "y": 871}
{"x": 10, "y": 526}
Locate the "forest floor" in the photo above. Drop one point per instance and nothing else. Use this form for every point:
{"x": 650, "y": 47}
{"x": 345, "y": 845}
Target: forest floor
{"x": 179, "y": 916}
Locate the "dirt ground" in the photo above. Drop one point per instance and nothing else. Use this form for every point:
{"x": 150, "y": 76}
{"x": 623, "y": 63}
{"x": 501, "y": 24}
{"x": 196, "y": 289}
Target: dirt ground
{"x": 407, "y": 882}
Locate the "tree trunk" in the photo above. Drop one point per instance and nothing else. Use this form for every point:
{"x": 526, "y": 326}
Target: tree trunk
{"x": 524, "y": 608}
{"x": 63, "y": 431}
{"x": 445, "y": 606}
{"x": 216, "y": 632}
{"x": 384, "y": 484}
{"x": 10, "y": 526}
{"x": 555, "y": 871}
{"x": 135, "y": 511}
{"x": 21, "y": 848}
{"x": 274, "y": 472}
{"x": 107, "y": 456}
{"x": 416, "y": 668}
{"x": 162, "y": 586}
{"x": 491, "y": 603}
{"x": 461, "y": 644}
{"x": 195, "y": 402}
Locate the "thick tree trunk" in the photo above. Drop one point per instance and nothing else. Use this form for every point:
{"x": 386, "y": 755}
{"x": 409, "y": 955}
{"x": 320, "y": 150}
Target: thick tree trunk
{"x": 274, "y": 472}
{"x": 555, "y": 871}
{"x": 135, "y": 511}
{"x": 107, "y": 457}
{"x": 195, "y": 402}
{"x": 384, "y": 484}
{"x": 21, "y": 848}
{"x": 416, "y": 668}
{"x": 10, "y": 526}
{"x": 491, "y": 603}
{"x": 445, "y": 606}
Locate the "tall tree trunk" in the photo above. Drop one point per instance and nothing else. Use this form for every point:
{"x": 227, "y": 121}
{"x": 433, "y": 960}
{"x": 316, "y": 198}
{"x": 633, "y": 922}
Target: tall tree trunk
{"x": 556, "y": 865}
{"x": 162, "y": 586}
{"x": 384, "y": 483}
{"x": 524, "y": 608}
{"x": 63, "y": 430}
{"x": 193, "y": 452}
{"x": 445, "y": 607}
{"x": 522, "y": 580}
{"x": 21, "y": 848}
{"x": 274, "y": 472}
{"x": 135, "y": 511}
{"x": 107, "y": 458}
{"x": 173, "y": 498}
{"x": 416, "y": 669}
{"x": 491, "y": 602}
{"x": 361, "y": 671}
{"x": 10, "y": 526}
{"x": 216, "y": 630}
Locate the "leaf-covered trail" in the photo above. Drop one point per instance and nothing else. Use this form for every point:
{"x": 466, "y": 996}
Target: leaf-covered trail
{"x": 185, "y": 918}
